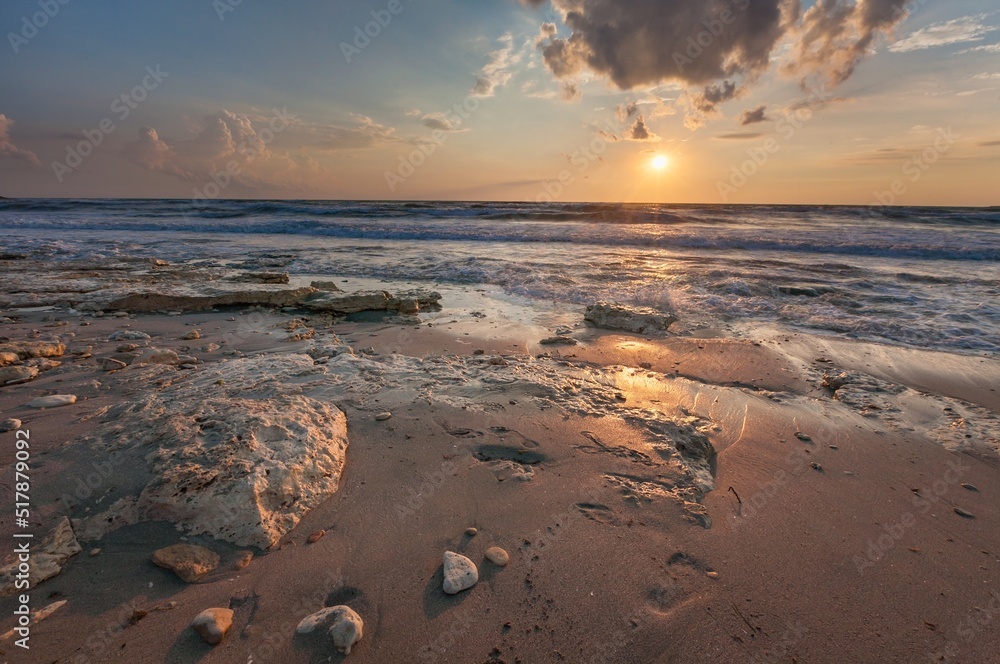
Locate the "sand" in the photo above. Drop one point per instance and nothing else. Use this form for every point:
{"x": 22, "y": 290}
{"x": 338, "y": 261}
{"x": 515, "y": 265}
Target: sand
{"x": 662, "y": 499}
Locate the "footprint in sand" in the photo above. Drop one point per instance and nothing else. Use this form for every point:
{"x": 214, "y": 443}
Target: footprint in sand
{"x": 599, "y": 513}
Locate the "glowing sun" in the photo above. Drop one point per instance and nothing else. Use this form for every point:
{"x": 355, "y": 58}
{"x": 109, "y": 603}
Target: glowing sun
{"x": 659, "y": 162}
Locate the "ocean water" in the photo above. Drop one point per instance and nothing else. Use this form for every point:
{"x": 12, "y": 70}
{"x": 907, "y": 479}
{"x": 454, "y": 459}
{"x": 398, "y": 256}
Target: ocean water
{"x": 921, "y": 277}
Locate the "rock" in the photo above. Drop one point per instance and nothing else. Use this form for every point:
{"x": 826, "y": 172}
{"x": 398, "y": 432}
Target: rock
{"x": 188, "y": 561}
{"x": 17, "y": 374}
{"x": 640, "y": 320}
{"x": 212, "y": 624}
{"x": 382, "y": 417}
{"x": 805, "y": 438}
{"x": 43, "y": 613}
{"x": 316, "y": 536}
{"x": 42, "y": 364}
{"x": 111, "y": 364}
{"x": 559, "y": 341}
{"x": 22, "y": 350}
{"x": 712, "y": 575}
{"x": 816, "y": 466}
{"x": 471, "y": 532}
{"x": 129, "y": 335}
{"x": 497, "y": 556}
{"x": 965, "y": 513}
{"x": 326, "y": 286}
{"x": 408, "y": 307}
{"x": 460, "y": 573}
{"x": 346, "y": 626}
{"x": 967, "y": 487}
{"x": 94, "y": 553}
{"x": 350, "y": 303}
{"x": 243, "y": 559}
{"x": 191, "y": 336}
{"x": 47, "y": 560}
{"x": 158, "y": 356}
{"x": 261, "y": 278}
{"x": 127, "y": 348}
{"x": 192, "y": 297}
{"x": 235, "y": 450}
{"x": 10, "y": 424}
{"x": 53, "y": 401}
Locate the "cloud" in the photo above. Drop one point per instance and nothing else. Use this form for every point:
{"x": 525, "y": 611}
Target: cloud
{"x": 754, "y": 116}
{"x": 624, "y": 112}
{"x": 496, "y": 72}
{"x": 640, "y": 132}
{"x": 438, "y": 121}
{"x": 7, "y": 147}
{"x": 985, "y": 48}
{"x": 740, "y": 136}
{"x": 955, "y": 31}
{"x": 154, "y": 154}
{"x": 704, "y": 104}
{"x": 989, "y": 144}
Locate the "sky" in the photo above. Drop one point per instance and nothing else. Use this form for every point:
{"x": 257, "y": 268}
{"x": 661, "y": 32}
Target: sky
{"x": 676, "y": 101}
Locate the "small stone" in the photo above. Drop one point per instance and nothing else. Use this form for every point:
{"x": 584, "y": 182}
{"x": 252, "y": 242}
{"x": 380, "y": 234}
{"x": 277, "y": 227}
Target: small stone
{"x": 558, "y": 341}
{"x": 805, "y": 438}
{"x": 471, "y": 532}
{"x": 129, "y": 335}
{"x": 18, "y": 374}
{"x": 970, "y": 487}
{"x": 53, "y": 401}
{"x": 382, "y": 417}
{"x": 191, "y": 336}
{"x": 212, "y": 624}
{"x": 188, "y": 561}
{"x": 243, "y": 559}
{"x": 479, "y": 351}
{"x": 43, "y": 613}
{"x": 158, "y": 356}
{"x": 120, "y": 314}
{"x": 94, "y": 553}
{"x": 346, "y": 626}
{"x": 10, "y": 424}
{"x": 965, "y": 513}
{"x": 316, "y": 536}
{"x": 460, "y": 573}
{"x": 111, "y": 364}
{"x": 816, "y": 466}
{"x": 127, "y": 348}
{"x": 497, "y": 556}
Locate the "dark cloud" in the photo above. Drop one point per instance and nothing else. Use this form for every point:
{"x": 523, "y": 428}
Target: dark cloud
{"x": 989, "y": 144}
{"x": 754, "y": 116}
{"x": 626, "y": 111}
{"x": 640, "y": 132}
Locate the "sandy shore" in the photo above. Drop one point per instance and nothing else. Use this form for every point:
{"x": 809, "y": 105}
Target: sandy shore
{"x": 701, "y": 498}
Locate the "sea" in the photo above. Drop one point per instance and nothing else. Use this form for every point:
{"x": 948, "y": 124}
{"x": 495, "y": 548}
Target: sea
{"x": 912, "y": 276}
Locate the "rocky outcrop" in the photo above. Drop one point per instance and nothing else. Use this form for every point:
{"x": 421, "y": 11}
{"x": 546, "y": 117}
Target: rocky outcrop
{"x": 236, "y": 452}
{"x": 47, "y": 560}
{"x": 198, "y": 297}
{"x": 187, "y": 561}
{"x": 640, "y": 320}
{"x": 407, "y": 302}
{"x": 17, "y": 351}
{"x": 17, "y": 374}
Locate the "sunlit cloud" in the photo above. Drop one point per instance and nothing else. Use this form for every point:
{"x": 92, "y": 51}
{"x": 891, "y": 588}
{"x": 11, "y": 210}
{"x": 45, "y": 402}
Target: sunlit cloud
{"x": 955, "y": 31}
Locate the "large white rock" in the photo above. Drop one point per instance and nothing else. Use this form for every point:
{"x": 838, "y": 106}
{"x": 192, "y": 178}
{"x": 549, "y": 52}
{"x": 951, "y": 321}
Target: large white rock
{"x": 47, "y": 560}
{"x": 346, "y": 626}
{"x": 236, "y": 451}
{"x": 460, "y": 573}
{"x": 52, "y": 401}
{"x": 640, "y": 320}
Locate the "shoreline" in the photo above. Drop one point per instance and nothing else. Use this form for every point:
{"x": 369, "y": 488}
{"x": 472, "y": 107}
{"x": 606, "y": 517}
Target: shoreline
{"x": 584, "y": 462}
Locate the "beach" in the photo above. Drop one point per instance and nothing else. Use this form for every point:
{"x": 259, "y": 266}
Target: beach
{"x": 691, "y": 451}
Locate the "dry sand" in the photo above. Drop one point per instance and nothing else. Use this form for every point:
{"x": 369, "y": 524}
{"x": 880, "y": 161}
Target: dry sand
{"x": 839, "y": 544}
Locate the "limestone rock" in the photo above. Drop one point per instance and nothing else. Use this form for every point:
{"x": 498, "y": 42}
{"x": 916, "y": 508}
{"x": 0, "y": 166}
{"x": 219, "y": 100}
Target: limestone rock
{"x": 192, "y": 297}
{"x": 640, "y": 320}
{"x": 193, "y": 335}
{"x": 408, "y": 307}
{"x": 128, "y": 335}
{"x": 261, "y": 278}
{"x": 497, "y": 556}
{"x": 10, "y": 424}
{"x": 19, "y": 373}
{"x": 47, "y": 560}
{"x": 235, "y": 451}
{"x": 346, "y": 626}
{"x": 158, "y": 356}
{"x": 212, "y": 624}
{"x": 414, "y": 300}
{"x": 111, "y": 364}
{"x": 350, "y": 303}
{"x": 326, "y": 286}
{"x": 187, "y": 561}
{"x": 558, "y": 341}
{"x": 22, "y": 350}
{"x": 460, "y": 573}
{"x": 53, "y": 401}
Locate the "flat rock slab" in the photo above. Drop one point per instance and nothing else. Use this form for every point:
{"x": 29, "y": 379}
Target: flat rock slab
{"x": 212, "y": 624}
{"x": 640, "y": 320}
{"x": 180, "y": 297}
{"x": 187, "y": 561}
{"x": 52, "y": 401}
{"x": 47, "y": 560}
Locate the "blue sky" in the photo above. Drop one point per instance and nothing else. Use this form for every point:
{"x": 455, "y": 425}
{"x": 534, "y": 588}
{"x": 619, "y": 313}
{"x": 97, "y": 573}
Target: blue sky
{"x": 357, "y": 129}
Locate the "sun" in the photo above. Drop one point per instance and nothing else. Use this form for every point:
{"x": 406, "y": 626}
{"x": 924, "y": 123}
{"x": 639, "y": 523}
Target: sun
{"x": 659, "y": 162}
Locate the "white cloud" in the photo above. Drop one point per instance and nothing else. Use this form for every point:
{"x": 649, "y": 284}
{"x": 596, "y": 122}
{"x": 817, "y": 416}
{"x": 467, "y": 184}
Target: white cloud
{"x": 955, "y": 31}
{"x": 7, "y": 147}
{"x": 496, "y": 73}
